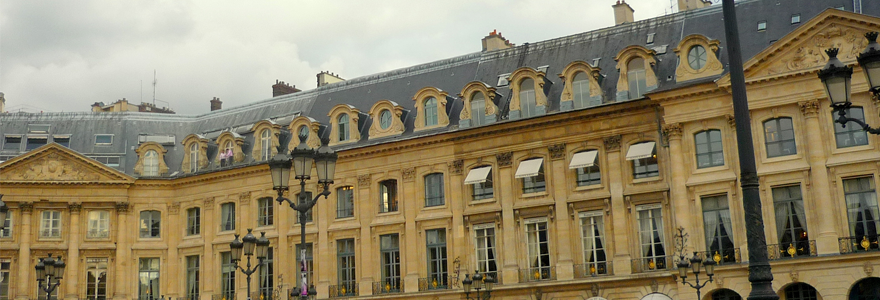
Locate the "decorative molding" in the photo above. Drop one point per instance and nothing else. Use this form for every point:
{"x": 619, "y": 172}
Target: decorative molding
{"x": 594, "y": 290}
{"x": 468, "y": 91}
{"x": 539, "y": 295}
{"x": 74, "y": 207}
{"x": 612, "y": 143}
{"x": 409, "y": 174}
{"x": 810, "y": 53}
{"x": 26, "y": 207}
{"x": 672, "y": 131}
{"x": 868, "y": 268}
{"x": 52, "y": 167}
{"x": 557, "y": 151}
{"x": 354, "y": 133}
{"x": 713, "y": 66}
{"x": 731, "y": 121}
{"x": 209, "y": 203}
{"x": 160, "y": 158}
{"x": 364, "y": 181}
{"x": 395, "y": 128}
{"x": 173, "y": 208}
{"x": 515, "y": 79}
{"x": 655, "y": 286}
{"x": 122, "y": 207}
{"x": 244, "y": 197}
{"x": 809, "y": 108}
{"x": 457, "y": 167}
{"x": 504, "y": 159}
{"x": 623, "y": 58}
{"x": 423, "y": 95}
{"x": 794, "y": 275}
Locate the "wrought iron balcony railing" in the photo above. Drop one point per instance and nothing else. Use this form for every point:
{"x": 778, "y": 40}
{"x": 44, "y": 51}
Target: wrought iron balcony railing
{"x": 388, "y": 286}
{"x": 537, "y": 274}
{"x": 791, "y": 250}
{"x": 348, "y": 289}
{"x": 434, "y": 283}
{"x": 651, "y": 264}
{"x": 723, "y": 257}
{"x": 857, "y": 244}
{"x": 592, "y": 269}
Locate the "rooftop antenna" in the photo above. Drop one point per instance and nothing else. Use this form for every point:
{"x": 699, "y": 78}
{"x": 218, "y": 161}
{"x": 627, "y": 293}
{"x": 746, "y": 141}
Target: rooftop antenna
{"x": 154, "y": 87}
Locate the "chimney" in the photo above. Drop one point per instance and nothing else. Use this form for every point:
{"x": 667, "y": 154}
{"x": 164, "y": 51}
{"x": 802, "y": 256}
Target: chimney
{"x": 685, "y": 5}
{"x": 623, "y": 13}
{"x": 494, "y": 41}
{"x": 216, "y": 104}
{"x": 2, "y": 103}
{"x": 281, "y": 88}
{"x": 325, "y": 78}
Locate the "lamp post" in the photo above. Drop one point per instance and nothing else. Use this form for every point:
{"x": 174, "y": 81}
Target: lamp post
{"x": 246, "y": 246}
{"x": 481, "y": 285}
{"x": 302, "y": 158}
{"x": 4, "y": 211}
{"x": 695, "y": 262}
{"x": 760, "y": 274}
{"x": 48, "y": 270}
{"x": 837, "y": 77}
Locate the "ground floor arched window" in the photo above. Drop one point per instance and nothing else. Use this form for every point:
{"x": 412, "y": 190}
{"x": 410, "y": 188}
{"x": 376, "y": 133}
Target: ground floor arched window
{"x": 800, "y": 291}
{"x": 865, "y": 289}
{"x": 725, "y": 294}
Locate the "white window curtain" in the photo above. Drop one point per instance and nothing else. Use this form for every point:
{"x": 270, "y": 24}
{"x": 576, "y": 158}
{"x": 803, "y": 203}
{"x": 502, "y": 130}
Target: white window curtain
{"x": 645, "y": 226}
{"x": 711, "y": 223}
{"x": 228, "y": 216}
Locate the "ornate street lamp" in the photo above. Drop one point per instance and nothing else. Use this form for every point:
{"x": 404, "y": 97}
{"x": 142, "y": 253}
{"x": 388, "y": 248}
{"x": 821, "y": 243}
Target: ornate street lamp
{"x": 837, "y": 77}
{"x": 481, "y": 285}
{"x": 695, "y": 263}
{"x": 248, "y": 245}
{"x": 301, "y": 159}
{"x": 50, "y": 271}
{"x": 4, "y": 211}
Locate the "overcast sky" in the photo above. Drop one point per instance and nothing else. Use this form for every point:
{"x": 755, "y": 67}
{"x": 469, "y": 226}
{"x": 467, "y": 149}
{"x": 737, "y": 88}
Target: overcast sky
{"x": 66, "y": 55}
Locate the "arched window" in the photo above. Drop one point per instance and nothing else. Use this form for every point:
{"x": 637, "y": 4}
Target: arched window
{"x": 852, "y": 134}
{"x": 478, "y": 109}
{"x": 194, "y": 157}
{"x": 527, "y": 101}
{"x": 709, "y": 148}
{"x": 385, "y": 119}
{"x": 801, "y": 291}
{"x": 725, "y": 294}
{"x": 580, "y": 87}
{"x": 430, "y": 111}
{"x": 342, "y": 122}
{"x": 265, "y": 143}
{"x": 635, "y": 74}
{"x": 779, "y": 137}
{"x": 303, "y": 131}
{"x": 865, "y": 289}
{"x": 151, "y": 163}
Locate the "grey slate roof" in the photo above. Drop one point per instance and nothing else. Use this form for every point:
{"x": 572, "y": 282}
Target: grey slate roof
{"x": 450, "y": 75}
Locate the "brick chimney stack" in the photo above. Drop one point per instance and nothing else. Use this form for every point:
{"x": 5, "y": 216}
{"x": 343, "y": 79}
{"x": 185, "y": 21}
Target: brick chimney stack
{"x": 325, "y": 78}
{"x": 281, "y": 88}
{"x": 495, "y": 41}
{"x": 685, "y": 5}
{"x": 623, "y": 13}
{"x": 216, "y": 104}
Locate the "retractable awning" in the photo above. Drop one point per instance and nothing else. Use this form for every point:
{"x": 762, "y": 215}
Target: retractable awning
{"x": 637, "y": 151}
{"x": 478, "y": 175}
{"x": 583, "y": 159}
{"x": 529, "y": 168}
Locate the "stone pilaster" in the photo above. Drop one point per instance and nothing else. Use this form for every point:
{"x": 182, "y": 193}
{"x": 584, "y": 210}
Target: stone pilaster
{"x": 72, "y": 276}
{"x": 819, "y": 190}
{"x": 124, "y": 268}
{"x": 681, "y": 209}
{"x": 25, "y": 266}
{"x": 621, "y": 257}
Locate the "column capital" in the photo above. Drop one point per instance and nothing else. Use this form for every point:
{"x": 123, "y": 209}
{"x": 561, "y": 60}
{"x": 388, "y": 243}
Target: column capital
{"x": 122, "y": 207}
{"x": 557, "y": 151}
{"x": 74, "y": 207}
{"x": 26, "y": 207}
{"x": 505, "y": 159}
{"x": 809, "y": 108}
{"x": 672, "y": 131}
{"x": 612, "y": 143}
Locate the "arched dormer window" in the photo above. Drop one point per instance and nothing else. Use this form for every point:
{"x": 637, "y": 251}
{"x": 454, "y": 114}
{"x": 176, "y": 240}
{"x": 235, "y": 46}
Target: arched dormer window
{"x": 581, "y": 88}
{"x": 195, "y": 157}
{"x": 230, "y": 149}
{"x": 636, "y": 73}
{"x": 696, "y": 58}
{"x": 307, "y": 127}
{"x": 479, "y": 107}
{"x": 528, "y": 93}
{"x": 386, "y": 119}
{"x": 151, "y": 160}
{"x": 431, "y": 107}
{"x": 265, "y": 140}
{"x": 344, "y": 124}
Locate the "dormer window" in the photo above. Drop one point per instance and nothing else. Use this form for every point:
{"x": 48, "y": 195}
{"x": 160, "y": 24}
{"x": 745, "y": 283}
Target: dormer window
{"x": 265, "y": 142}
{"x": 431, "y": 108}
{"x": 580, "y": 88}
{"x": 385, "y": 119}
{"x": 637, "y": 76}
{"x": 527, "y": 97}
{"x": 151, "y": 163}
{"x": 343, "y": 125}
{"x": 697, "y": 57}
{"x": 635, "y": 73}
{"x": 430, "y": 111}
{"x": 762, "y": 25}
{"x": 194, "y": 157}
{"x": 343, "y": 128}
{"x": 195, "y": 153}
{"x": 478, "y": 108}
{"x": 303, "y": 131}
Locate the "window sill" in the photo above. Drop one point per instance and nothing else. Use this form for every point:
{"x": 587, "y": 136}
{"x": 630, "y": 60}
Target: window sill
{"x": 435, "y": 207}
{"x": 106, "y": 239}
{"x": 270, "y": 226}
{"x": 582, "y": 188}
{"x": 699, "y": 170}
{"x": 342, "y": 219}
{"x": 481, "y": 201}
{"x": 838, "y": 150}
{"x": 51, "y": 238}
{"x": 535, "y": 195}
{"x": 782, "y": 158}
{"x": 192, "y": 237}
{"x": 150, "y": 239}
{"x": 648, "y": 179}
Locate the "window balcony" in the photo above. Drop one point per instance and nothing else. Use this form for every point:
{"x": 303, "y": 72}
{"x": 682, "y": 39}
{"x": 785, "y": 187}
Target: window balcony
{"x": 537, "y": 274}
{"x": 653, "y": 264}
{"x": 388, "y": 286}
{"x": 791, "y": 250}
{"x": 593, "y": 269}
{"x": 855, "y": 244}
{"x": 724, "y": 257}
{"x": 434, "y": 283}
{"x": 98, "y": 234}
{"x": 349, "y": 289}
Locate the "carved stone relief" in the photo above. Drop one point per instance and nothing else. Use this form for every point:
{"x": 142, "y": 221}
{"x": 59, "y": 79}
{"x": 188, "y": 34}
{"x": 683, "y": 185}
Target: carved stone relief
{"x": 557, "y": 151}
{"x": 52, "y": 167}
{"x": 409, "y": 174}
{"x": 612, "y": 143}
{"x": 457, "y": 166}
{"x": 364, "y": 181}
{"x": 504, "y": 159}
{"x": 811, "y": 54}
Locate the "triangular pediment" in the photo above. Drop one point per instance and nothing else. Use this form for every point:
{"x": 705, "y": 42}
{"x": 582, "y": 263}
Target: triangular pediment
{"x": 803, "y": 50}
{"x": 56, "y": 164}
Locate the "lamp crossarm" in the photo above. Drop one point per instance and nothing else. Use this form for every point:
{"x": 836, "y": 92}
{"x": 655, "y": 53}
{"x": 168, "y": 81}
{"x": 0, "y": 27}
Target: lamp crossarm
{"x": 696, "y": 285}
{"x": 843, "y": 120}
{"x": 248, "y": 271}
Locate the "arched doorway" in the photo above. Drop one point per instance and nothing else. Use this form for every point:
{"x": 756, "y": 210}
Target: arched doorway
{"x": 725, "y": 294}
{"x": 656, "y": 296}
{"x": 800, "y": 291}
{"x": 865, "y": 289}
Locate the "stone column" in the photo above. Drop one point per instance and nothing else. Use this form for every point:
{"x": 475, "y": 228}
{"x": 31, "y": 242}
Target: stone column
{"x": 72, "y": 276}
{"x": 681, "y": 208}
{"x": 366, "y": 257}
{"x": 173, "y": 266}
{"x": 25, "y": 264}
{"x": 564, "y": 261}
{"x": 122, "y": 289}
{"x": 504, "y": 193}
{"x": 622, "y": 261}
{"x": 820, "y": 192}
{"x": 322, "y": 253}
{"x": 283, "y": 261}
{"x": 209, "y": 277}
{"x": 410, "y": 237}
{"x": 457, "y": 235}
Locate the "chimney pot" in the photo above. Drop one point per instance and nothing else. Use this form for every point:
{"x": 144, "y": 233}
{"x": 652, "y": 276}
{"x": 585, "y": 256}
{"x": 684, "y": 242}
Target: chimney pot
{"x": 216, "y": 104}
{"x": 623, "y": 13}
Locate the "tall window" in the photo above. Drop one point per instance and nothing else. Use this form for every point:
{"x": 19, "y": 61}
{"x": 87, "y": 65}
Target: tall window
{"x": 388, "y": 196}
{"x": 636, "y": 76}
{"x": 580, "y": 87}
{"x": 482, "y": 185}
{"x": 50, "y": 225}
{"x": 800, "y": 291}
{"x": 266, "y": 215}
{"x": 227, "y": 216}
{"x": 527, "y": 102}
{"x": 434, "y": 189}
{"x": 430, "y": 111}
{"x": 532, "y": 174}
{"x": 345, "y": 202}
{"x": 342, "y": 122}
{"x": 6, "y": 232}
{"x": 310, "y": 265}
{"x": 194, "y": 157}
{"x": 267, "y": 272}
{"x": 5, "y": 265}
{"x": 478, "y": 109}
{"x": 651, "y": 237}
{"x": 779, "y": 137}
{"x": 484, "y": 242}
{"x": 586, "y": 168}
{"x": 644, "y": 160}
{"x": 99, "y": 224}
{"x": 151, "y": 163}
{"x": 389, "y": 245}
{"x": 593, "y": 238}
{"x": 437, "y": 268}
{"x": 852, "y": 134}
{"x": 265, "y": 144}
{"x": 305, "y": 199}
{"x": 345, "y": 260}
{"x": 192, "y": 277}
{"x": 709, "y": 150}
{"x": 716, "y": 223}
{"x": 148, "y": 278}
{"x": 194, "y": 221}
{"x": 861, "y": 208}
{"x": 538, "y": 249}
{"x": 227, "y": 275}
{"x": 791, "y": 222}
{"x": 96, "y": 278}
{"x": 150, "y": 223}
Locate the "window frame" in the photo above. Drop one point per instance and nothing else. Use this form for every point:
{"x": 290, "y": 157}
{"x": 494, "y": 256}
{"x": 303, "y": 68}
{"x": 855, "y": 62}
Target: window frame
{"x": 52, "y": 224}
{"x": 478, "y": 115}
{"x": 388, "y": 201}
{"x": 149, "y": 272}
{"x": 435, "y": 194}
{"x": 155, "y": 224}
{"x": 580, "y": 89}
{"x": 865, "y": 197}
{"x": 639, "y": 76}
{"x": 227, "y": 275}
{"x": 265, "y": 212}
{"x": 792, "y": 231}
{"x": 151, "y": 163}
{"x": 346, "y": 262}
{"x": 431, "y": 113}
{"x": 718, "y": 242}
{"x": 227, "y": 216}
{"x": 593, "y": 256}
{"x": 347, "y": 209}
{"x": 265, "y": 144}
{"x": 777, "y": 136}
{"x": 710, "y": 151}
{"x": 437, "y": 258}
{"x": 193, "y": 263}
{"x": 193, "y": 221}
{"x": 488, "y": 248}
{"x": 853, "y": 132}
{"x": 96, "y": 287}
{"x": 303, "y": 200}
{"x": 266, "y": 274}
{"x": 656, "y": 232}
{"x": 102, "y": 230}
{"x": 111, "y": 136}
{"x": 6, "y": 233}
{"x": 6, "y": 143}
{"x": 691, "y": 60}
{"x": 344, "y": 130}
{"x": 542, "y": 247}
{"x": 390, "y": 261}
{"x": 528, "y": 98}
